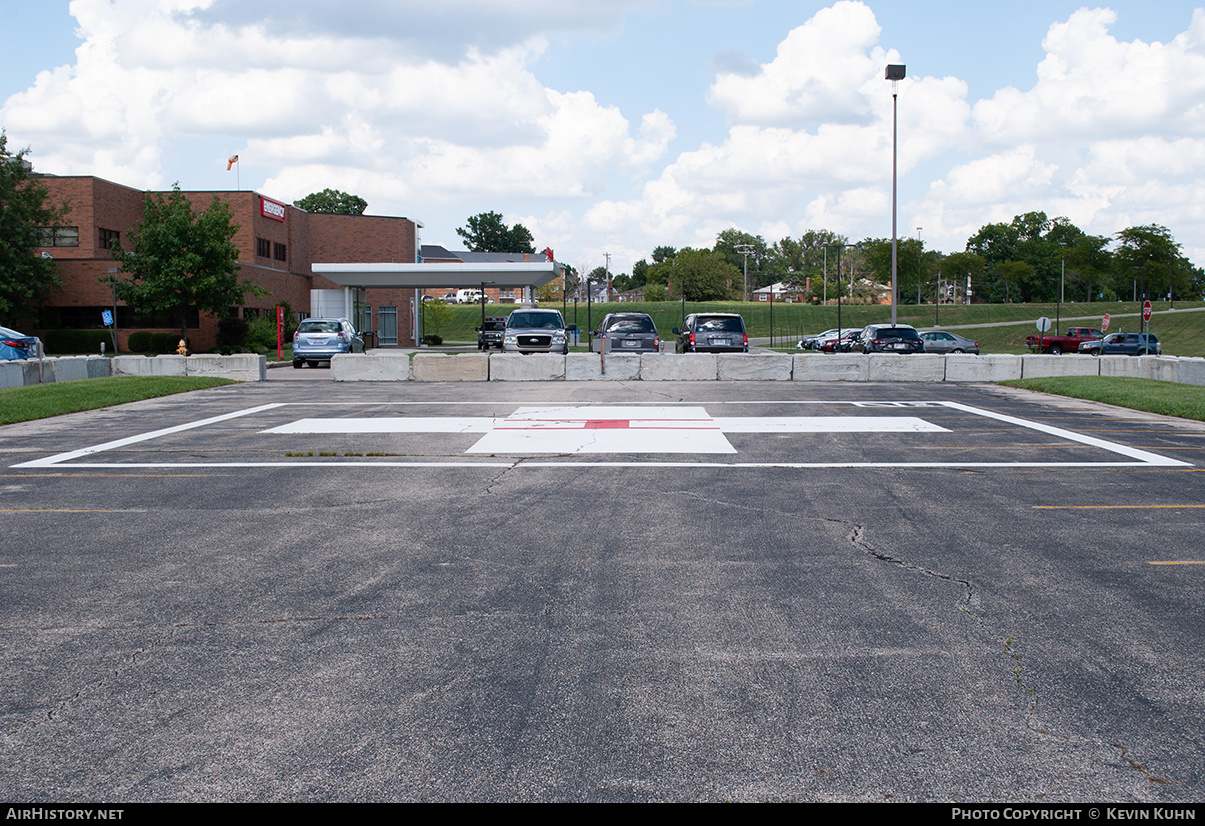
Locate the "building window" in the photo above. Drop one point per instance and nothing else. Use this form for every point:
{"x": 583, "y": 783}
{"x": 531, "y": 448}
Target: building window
{"x": 263, "y": 248}
{"x": 61, "y": 237}
{"x": 108, "y": 236}
{"x": 280, "y": 252}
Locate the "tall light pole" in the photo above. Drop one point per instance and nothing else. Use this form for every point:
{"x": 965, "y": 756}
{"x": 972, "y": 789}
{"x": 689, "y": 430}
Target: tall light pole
{"x": 839, "y": 248}
{"x": 746, "y": 250}
{"x": 919, "y": 268}
{"x": 895, "y": 73}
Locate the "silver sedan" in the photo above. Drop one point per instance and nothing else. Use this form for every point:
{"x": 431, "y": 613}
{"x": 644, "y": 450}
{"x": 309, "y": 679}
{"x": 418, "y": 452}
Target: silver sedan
{"x": 940, "y": 341}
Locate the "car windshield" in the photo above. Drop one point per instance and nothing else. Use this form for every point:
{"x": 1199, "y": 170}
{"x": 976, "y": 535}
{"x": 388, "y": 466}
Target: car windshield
{"x": 530, "y": 320}
{"x": 896, "y": 332}
{"x": 494, "y": 325}
{"x": 631, "y": 324}
{"x": 720, "y": 324}
{"x": 319, "y": 327}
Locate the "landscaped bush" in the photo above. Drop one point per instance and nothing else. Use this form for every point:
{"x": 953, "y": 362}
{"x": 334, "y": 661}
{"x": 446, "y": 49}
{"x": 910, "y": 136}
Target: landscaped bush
{"x": 145, "y": 341}
{"x": 232, "y": 331}
{"x": 62, "y": 342}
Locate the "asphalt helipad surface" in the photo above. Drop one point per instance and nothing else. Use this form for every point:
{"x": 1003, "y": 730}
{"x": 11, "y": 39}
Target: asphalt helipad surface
{"x": 603, "y": 591}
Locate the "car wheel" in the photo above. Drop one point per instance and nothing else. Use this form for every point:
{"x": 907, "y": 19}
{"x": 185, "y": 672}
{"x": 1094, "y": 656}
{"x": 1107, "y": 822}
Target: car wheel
{"x": 956, "y": 350}
{"x": 1141, "y": 353}
{"x": 1055, "y": 351}
{"x": 297, "y": 364}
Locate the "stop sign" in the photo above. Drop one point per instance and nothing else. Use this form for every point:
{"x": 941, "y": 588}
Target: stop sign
{"x": 1146, "y": 311}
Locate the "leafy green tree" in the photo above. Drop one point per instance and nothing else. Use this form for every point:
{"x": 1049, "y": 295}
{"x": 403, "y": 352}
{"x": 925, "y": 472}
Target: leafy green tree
{"x": 487, "y": 232}
{"x": 1148, "y": 255}
{"x": 957, "y": 267}
{"x": 332, "y": 201}
{"x": 705, "y": 276}
{"x": 24, "y": 275}
{"x": 181, "y": 259}
{"x": 663, "y": 254}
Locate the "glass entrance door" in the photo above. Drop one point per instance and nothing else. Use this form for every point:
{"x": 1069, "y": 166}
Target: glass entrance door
{"x": 387, "y": 318}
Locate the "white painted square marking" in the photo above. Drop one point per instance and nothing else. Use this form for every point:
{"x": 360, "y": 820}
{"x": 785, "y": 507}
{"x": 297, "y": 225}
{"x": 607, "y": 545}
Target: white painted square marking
{"x": 605, "y": 430}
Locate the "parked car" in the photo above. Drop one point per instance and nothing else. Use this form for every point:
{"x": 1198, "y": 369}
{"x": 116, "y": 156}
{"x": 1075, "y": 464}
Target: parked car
{"x": 627, "y": 333}
{"x": 535, "y": 331}
{"x": 1123, "y": 344}
{"x": 813, "y": 342}
{"x": 1056, "y": 345}
{"x": 713, "y": 333}
{"x": 940, "y": 341}
{"x": 849, "y": 338}
{"x": 14, "y": 345}
{"x": 887, "y": 338}
{"x": 490, "y": 335}
{"x": 317, "y": 339}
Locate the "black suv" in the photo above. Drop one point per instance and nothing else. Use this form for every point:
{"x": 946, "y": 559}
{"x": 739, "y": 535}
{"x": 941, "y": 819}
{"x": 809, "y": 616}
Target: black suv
{"x": 884, "y": 338}
{"x": 490, "y": 335}
{"x": 713, "y": 333}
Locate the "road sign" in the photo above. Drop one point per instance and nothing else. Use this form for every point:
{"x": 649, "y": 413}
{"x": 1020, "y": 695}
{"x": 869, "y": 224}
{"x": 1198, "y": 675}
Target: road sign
{"x": 1146, "y": 311}
{"x": 1043, "y": 324}
{"x": 1104, "y": 323}
{"x": 106, "y": 316}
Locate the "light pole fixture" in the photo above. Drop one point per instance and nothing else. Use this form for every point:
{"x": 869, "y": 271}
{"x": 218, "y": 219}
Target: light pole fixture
{"x": 483, "y": 283}
{"x": 839, "y": 248}
{"x": 895, "y": 73}
{"x": 746, "y": 250}
{"x": 919, "y": 268}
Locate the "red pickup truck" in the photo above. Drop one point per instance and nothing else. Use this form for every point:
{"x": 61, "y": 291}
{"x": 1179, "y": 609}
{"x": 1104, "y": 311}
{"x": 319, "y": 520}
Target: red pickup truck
{"x": 1056, "y": 345}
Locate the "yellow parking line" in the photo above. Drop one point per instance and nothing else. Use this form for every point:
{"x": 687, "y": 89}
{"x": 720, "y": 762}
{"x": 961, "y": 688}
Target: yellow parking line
{"x": 1110, "y": 507}
{"x": 69, "y": 510}
{"x": 1175, "y": 563}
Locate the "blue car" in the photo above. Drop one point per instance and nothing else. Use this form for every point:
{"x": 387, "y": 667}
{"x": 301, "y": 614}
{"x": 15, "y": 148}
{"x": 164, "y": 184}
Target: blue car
{"x": 14, "y": 345}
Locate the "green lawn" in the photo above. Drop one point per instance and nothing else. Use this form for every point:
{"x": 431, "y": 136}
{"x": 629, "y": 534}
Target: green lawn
{"x": 1182, "y": 334}
{"x": 39, "y": 401}
{"x": 1184, "y": 400}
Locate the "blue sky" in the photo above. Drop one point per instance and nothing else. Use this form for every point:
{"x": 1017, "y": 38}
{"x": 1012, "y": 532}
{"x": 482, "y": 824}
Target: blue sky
{"x": 618, "y": 127}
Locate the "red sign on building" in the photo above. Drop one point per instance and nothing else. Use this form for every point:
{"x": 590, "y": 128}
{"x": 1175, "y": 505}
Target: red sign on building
{"x": 271, "y": 209}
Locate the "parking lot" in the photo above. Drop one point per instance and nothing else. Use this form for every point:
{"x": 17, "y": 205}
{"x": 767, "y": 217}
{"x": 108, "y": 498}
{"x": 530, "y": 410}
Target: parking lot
{"x": 301, "y": 589}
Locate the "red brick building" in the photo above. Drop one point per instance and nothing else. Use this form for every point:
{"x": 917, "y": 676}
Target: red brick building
{"x": 277, "y": 246}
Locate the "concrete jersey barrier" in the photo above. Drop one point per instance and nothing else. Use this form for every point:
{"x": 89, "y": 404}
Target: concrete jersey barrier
{"x": 854, "y": 367}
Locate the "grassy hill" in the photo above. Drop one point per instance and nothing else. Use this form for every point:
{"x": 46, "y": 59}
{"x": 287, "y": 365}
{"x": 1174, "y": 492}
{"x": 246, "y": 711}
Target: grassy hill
{"x": 1182, "y": 333}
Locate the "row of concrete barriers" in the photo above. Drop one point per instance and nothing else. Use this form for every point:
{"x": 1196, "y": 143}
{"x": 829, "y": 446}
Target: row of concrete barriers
{"x": 383, "y": 365}
{"x": 243, "y": 367}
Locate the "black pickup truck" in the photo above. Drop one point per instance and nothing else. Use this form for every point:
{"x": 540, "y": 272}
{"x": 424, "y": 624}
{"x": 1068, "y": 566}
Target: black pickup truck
{"x": 491, "y": 334}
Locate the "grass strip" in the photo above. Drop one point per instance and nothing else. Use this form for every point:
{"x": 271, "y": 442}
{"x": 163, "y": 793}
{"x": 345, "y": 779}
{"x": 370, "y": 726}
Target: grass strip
{"x": 40, "y": 401}
{"x": 1186, "y": 401}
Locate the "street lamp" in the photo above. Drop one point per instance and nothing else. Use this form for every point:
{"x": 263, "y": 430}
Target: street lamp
{"x": 839, "y": 248}
{"x": 746, "y": 250}
{"x": 483, "y": 283}
{"x": 895, "y": 73}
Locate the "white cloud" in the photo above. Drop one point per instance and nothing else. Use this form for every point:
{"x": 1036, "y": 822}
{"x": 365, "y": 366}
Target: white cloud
{"x": 349, "y": 100}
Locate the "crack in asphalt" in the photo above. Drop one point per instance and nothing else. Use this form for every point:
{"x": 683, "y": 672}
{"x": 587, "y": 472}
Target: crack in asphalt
{"x": 857, "y": 538}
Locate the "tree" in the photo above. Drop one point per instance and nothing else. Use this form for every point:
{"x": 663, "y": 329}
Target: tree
{"x": 182, "y": 260}
{"x": 487, "y": 232}
{"x": 1148, "y": 255}
{"x": 332, "y": 201}
{"x": 705, "y": 276}
{"x": 24, "y": 275}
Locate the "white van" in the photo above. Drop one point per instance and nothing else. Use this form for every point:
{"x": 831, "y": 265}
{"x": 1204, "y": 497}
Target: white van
{"x": 468, "y": 296}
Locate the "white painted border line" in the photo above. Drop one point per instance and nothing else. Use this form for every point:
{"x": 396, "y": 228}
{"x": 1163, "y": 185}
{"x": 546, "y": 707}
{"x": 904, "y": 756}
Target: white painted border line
{"x": 1133, "y": 452}
{"x": 50, "y": 461}
{"x": 1146, "y": 459}
{"x": 525, "y": 462}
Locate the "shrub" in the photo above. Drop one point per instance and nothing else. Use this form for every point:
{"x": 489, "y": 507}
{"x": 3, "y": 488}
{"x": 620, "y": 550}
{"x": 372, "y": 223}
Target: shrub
{"x": 145, "y": 341}
{"x": 59, "y": 342}
{"x": 232, "y": 331}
